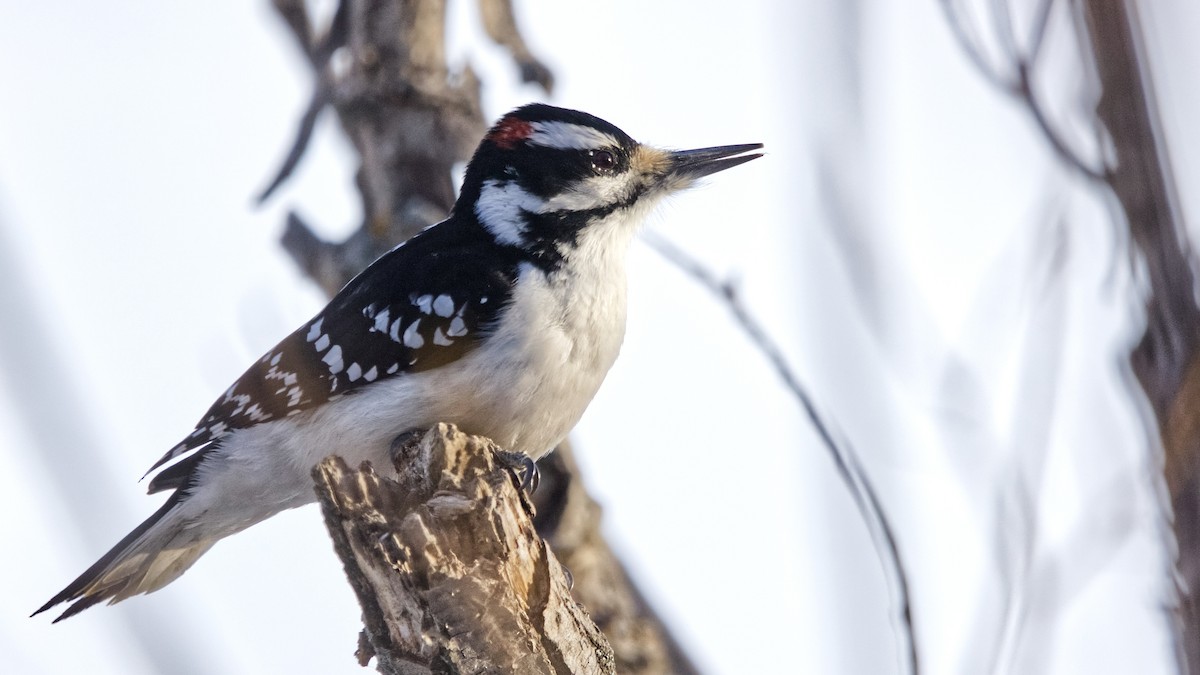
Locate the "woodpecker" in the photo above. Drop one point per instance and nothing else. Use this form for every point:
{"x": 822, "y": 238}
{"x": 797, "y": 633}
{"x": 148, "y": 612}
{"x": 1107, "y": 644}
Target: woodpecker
{"x": 502, "y": 319}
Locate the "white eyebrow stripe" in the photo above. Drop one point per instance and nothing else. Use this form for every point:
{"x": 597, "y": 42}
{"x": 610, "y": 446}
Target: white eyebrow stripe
{"x": 567, "y": 136}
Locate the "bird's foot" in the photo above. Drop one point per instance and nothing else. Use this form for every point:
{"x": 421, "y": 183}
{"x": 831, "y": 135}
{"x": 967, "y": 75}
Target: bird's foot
{"x": 524, "y": 467}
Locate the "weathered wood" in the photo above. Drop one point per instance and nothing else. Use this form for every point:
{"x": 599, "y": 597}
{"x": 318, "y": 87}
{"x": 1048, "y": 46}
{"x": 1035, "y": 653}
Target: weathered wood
{"x": 449, "y": 569}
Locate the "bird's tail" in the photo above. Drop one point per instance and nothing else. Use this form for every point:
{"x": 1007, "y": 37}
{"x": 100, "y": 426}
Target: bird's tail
{"x": 153, "y": 555}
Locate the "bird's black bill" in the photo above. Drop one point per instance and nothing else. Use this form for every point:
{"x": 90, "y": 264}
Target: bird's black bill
{"x": 706, "y": 161}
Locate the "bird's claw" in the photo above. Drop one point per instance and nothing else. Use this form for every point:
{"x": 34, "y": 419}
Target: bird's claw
{"x": 525, "y": 468}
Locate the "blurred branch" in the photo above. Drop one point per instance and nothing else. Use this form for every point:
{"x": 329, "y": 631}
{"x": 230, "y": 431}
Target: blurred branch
{"x": 963, "y": 29}
{"x": 845, "y": 459}
{"x": 501, "y": 25}
{"x": 319, "y": 52}
{"x": 1019, "y": 84}
{"x": 1166, "y": 361}
{"x": 407, "y": 115}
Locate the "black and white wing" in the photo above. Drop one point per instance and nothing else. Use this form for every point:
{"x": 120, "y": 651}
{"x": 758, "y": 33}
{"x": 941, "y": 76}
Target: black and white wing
{"x": 420, "y": 306}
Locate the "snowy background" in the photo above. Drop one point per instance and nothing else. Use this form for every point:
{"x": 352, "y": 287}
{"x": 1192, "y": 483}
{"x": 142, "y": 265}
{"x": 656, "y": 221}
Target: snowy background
{"x": 958, "y": 302}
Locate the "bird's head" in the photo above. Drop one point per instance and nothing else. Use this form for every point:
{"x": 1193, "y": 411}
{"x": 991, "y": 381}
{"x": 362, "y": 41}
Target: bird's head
{"x": 543, "y": 176}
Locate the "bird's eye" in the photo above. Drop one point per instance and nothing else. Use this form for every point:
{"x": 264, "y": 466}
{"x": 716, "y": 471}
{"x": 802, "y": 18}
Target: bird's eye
{"x": 603, "y": 160}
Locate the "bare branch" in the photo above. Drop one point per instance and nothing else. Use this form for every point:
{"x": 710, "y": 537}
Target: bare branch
{"x": 844, "y": 457}
{"x": 319, "y": 55}
{"x": 1021, "y": 85}
{"x": 295, "y": 14}
{"x": 1057, "y": 143}
{"x": 308, "y": 122}
{"x": 500, "y": 22}
{"x": 963, "y": 30}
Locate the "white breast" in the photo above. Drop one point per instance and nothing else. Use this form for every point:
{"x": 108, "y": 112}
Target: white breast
{"x": 525, "y": 387}
{"x": 530, "y": 382}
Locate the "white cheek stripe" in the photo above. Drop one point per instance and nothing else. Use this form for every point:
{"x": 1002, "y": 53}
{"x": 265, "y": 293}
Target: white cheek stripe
{"x": 502, "y": 205}
{"x": 499, "y": 209}
{"x": 567, "y": 136}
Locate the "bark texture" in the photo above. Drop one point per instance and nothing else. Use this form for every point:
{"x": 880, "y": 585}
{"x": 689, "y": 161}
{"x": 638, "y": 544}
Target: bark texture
{"x": 380, "y": 66}
{"x": 450, "y": 572}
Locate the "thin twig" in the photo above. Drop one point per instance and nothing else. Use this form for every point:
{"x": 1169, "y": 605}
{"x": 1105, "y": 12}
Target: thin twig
{"x": 304, "y": 132}
{"x": 319, "y": 55}
{"x": 1056, "y": 141}
{"x": 1021, "y": 85}
{"x": 295, "y": 14}
{"x": 844, "y": 457}
{"x": 963, "y": 30}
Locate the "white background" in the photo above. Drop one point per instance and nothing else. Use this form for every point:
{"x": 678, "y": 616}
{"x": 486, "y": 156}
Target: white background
{"x": 956, "y": 300}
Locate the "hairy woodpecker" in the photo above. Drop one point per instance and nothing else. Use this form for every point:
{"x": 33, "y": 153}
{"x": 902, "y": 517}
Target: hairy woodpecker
{"x": 503, "y": 319}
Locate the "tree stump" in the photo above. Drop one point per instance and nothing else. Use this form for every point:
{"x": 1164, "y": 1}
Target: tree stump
{"x": 449, "y": 570}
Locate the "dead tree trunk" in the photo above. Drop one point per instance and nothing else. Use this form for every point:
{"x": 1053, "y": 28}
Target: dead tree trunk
{"x": 1166, "y": 361}
{"x": 381, "y": 67}
{"x": 449, "y": 570}
{"x": 1137, "y": 174}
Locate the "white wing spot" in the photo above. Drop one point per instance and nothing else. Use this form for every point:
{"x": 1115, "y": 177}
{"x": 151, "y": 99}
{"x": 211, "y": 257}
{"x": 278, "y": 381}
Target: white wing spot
{"x": 443, "y": 305}
{"x": 381, "y": 321}
{"x": 354, "y": 371}
{"x": 314, "y": 331}
{"x": 322, "y": 343}
{"x": 440, "y": 338}
{"x": 256, "y": 413}
{"x": 275, "y": 359}
{"x": 371, "y": 374}
{"x": 413, "y": 339}
{"x": 242, "y": 400}
{"x": 395, "y": 367}
{"x": 458, "y": 327}
{"x": 334, "y": 359}
{"x": 425, "y": 302}
{"x": 483, "y": 300}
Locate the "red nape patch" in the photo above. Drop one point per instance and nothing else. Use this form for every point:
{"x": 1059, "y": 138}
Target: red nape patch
{"x": 509, "y": 132}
